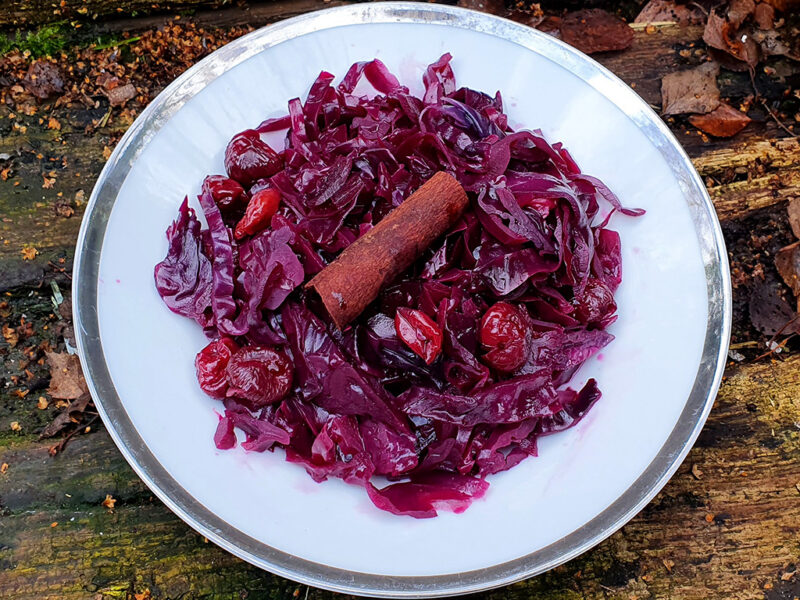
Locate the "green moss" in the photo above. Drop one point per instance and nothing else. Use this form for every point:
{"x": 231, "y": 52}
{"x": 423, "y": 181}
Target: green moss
{"x": 45, "y": 41}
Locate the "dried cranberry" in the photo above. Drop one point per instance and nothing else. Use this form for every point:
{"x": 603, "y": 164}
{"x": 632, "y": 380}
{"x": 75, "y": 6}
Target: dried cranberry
{"x": 262, "y": 206}
{"x": 248, "y": 159}
{"x": 596, "y": 303}
{"x": 227, "y": 193}
{"x": 211, "y": 363}
{"x": 259, "y": 375}
{"x": 505, "y": 334}
{"x": 419, "y": 332}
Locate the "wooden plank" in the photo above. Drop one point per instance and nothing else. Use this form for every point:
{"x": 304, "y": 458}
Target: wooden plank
{"x": 746, "y": 177}
{"x": 25, "y": 13}
{"x": 725, "y": 526}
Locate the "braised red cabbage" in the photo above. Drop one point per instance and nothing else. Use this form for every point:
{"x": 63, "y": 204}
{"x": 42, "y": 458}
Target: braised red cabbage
{"x": 518, "y": 294}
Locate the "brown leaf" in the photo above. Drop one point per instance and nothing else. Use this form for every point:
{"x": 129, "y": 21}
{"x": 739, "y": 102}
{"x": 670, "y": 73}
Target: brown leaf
{"x": 10, "y": 335}
{"x": 56, "y": 426}
{"x": 698, "y": 474}
{"x": 77, "y": 407}
{"x": 764, "y": 16}
{"x": 43, "y": 79}
{"x": 794, "y": 216}
{"x": 782, "y": 5}
{"x": 71, "y": 414}
{"x": 691, "y": 91}
{"x": 769, "y": 312}
{"x": 657, "y": 11}
{"x": 53, "y": 123}
{"x": 739, "y": 10}
{"x": 495, "y": 7}
{"x": 722, "y": 34}
{"x": 771, "y": 43}
{"x": 109, "y": 502}
{"x": 120, "y": 95}
{"x": 66, "y": 378}
{"x": 595, "y": 30}
{"x": 787, "y": 262}
{"x": 724, "y": 121}
{"x": 717, "y": 31}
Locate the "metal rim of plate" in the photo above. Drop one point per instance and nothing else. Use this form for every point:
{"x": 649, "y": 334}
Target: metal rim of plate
{"x": 147, "y": 466}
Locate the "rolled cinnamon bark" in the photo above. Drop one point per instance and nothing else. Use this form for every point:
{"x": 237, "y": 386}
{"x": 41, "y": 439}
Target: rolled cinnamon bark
{"x": 355, "y": 278}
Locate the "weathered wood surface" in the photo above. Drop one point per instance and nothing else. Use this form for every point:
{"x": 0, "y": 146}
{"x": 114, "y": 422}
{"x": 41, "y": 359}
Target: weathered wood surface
{"x": 726, "y": 526}
{"x": 24, "y": 13}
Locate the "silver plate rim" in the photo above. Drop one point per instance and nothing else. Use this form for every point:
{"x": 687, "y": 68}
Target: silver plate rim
{"x": 147, "y": 466}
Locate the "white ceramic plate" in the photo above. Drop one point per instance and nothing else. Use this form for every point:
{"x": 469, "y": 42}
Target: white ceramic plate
{"x": 658, "y": 378}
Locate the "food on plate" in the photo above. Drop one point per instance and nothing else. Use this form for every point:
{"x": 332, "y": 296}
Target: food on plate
{"x": 403, "y": 292}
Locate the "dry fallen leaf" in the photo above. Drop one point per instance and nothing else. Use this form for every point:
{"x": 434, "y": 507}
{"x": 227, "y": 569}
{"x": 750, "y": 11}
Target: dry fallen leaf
{"x": 66, "y": 377}
{"x": 659, "y": 11}
{"x": 787, "y": 262}
{"x": 691, "y": 91}
{"x": 794, "y": 216}
{"x": 495, "y": 7}
{"x": 145, "y": 595}
{"x": 106, "y": 152}
{"x": 15, "y": 426}
{"x": 764, "y": 16}
{"x": 722, "y": 34}
{"x": 595, "y": 30}
{"x": 709, "y": 517}
{"x": 739, "y": 10}
{"x": 42, "y": 403}
{"x": 53, "y": 123}
{"x": 724, "y": 121}
{"x": 43, "y": 79}
{"x": 4, "y": 468}
{"x": 769, "y": 312}
{"x": 698, "y": 474}
{"x": 668, "y": 564}
{"x": 109, "y": 502}
{"x": 120, "y": 95}
{"x": 29, "y": 253}
{"x": 10, "y": 335}
{"x": 788, "y": 576}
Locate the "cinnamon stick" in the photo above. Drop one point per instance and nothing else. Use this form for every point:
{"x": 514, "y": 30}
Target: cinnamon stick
{"x": 355, "y": 278}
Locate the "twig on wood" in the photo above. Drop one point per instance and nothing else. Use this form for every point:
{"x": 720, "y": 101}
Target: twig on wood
{"x": 740, "y": 345}
{"x": 58, "y": 448}
{"x": 767, "y": 108}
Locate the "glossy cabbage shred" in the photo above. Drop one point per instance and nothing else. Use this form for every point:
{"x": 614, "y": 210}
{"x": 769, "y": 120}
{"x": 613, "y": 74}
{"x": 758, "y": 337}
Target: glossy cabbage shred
{"x": 363, "y": 407}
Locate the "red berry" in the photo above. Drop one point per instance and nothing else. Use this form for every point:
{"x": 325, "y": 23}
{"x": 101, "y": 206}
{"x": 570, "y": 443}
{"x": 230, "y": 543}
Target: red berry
{"x": 259, "y": 375}
{"x": 248, "y": 159}
{"x": 419, "y": 332}
{"x": 262, "y": 206}
{"x": 596, "y": 303}
{"x": 211, "y": 363}
{"x": 226, "y": 192}
{"x": 505, "y": 334}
